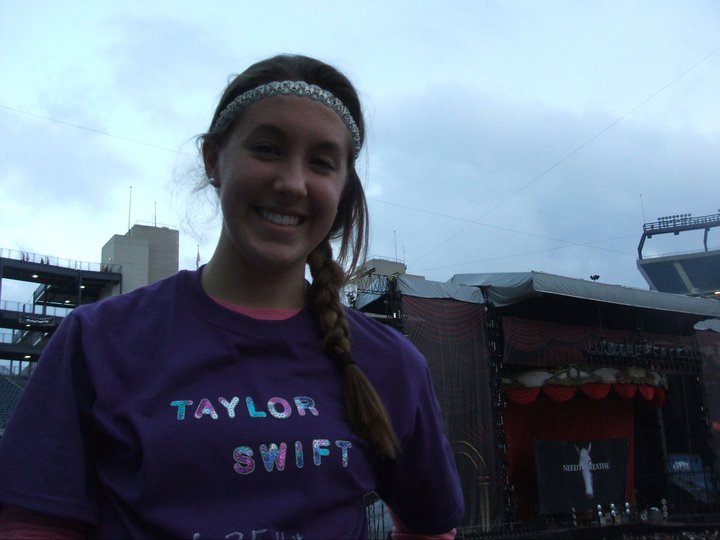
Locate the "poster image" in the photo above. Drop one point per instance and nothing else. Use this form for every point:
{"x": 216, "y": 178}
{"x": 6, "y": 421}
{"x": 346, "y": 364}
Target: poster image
{"x": 580, "y": 474}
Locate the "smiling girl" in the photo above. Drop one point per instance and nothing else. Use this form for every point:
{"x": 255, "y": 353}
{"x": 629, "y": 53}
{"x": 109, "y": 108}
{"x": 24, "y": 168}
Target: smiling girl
{"x": 239, "y": 400}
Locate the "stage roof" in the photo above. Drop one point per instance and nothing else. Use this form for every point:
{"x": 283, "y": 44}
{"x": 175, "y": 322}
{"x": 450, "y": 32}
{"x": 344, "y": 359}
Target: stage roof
{"x": 503, "y": 289}
{"x": 418, "y": 287}
{"x": 507, "y": 288}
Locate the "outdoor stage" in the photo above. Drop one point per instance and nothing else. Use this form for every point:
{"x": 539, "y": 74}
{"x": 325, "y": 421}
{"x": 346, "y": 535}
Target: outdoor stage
{"x": 639, "y": 530}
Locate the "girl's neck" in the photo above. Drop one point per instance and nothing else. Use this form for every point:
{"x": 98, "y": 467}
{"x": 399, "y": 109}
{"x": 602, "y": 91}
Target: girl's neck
{"x": 252, "y": 287}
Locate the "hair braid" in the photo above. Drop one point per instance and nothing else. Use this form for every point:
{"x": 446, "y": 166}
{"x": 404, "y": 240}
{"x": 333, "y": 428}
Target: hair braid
{"x": 364, "y": 408}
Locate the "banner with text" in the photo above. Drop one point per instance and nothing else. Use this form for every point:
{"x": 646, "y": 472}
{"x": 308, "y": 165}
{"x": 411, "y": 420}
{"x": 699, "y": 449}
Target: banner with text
{"x": 580, "y": 474}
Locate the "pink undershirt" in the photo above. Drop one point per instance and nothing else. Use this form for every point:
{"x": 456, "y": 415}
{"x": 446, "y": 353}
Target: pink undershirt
{"x": 20, "y": 524}
{"x": 264, "y": 314}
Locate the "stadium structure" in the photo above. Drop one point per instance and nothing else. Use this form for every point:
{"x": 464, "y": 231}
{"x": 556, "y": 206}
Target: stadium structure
{"x": 142, "y": 256}
{"x": 696, "y": 273}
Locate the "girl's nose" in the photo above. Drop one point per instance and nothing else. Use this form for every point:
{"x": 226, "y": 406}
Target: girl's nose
{"x": 291, "y": 181}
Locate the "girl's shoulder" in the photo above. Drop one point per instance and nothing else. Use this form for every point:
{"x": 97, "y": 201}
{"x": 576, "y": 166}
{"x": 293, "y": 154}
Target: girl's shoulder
{"x": 148, "y": 299}
{"x": 377, "y": 345}
{"x": 365, "y": 328}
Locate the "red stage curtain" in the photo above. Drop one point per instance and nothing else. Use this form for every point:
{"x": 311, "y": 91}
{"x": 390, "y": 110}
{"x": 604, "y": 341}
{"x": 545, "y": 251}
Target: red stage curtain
{"x": 625, "y": 390}
{"x": 452, "y": 336}
{"x": 560, "y": 393}
{"x": 580, "y": 420}
{"x": 523, "y": 396}
{"x": 646, "y": 391}
{"x": 596, "y": 390}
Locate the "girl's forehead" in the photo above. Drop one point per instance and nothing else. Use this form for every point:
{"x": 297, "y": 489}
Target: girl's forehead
{"x": 293, "y": 108}
{"x": 295, "y": 115}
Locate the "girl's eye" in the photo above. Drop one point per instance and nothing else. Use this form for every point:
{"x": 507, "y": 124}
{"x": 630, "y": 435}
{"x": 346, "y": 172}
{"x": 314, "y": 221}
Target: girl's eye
{"x": 264, "y": 149}
{"x": 324, "y": 163}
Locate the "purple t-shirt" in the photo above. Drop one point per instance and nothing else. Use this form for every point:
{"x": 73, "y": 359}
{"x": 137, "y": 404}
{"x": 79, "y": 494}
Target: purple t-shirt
{"x": 159, "y": 414}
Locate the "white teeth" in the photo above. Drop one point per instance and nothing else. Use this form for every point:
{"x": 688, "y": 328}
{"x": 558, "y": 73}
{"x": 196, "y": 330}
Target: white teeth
{"x": 278, "y": 219}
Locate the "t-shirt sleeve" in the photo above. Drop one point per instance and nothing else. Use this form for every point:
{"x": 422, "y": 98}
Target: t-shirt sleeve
{"x": 421, "y": 485}
{"x": 45, "y": 451}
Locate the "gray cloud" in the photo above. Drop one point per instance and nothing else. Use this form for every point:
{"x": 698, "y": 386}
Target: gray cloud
{"x": 575, "y": 208}
{"x": 468, "y": 107}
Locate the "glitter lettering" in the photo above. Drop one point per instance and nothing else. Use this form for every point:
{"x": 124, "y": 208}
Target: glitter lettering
{"x": 277, "y": 407}
{"x": 273, "y": 407}
{"x": 344, "y": 447}
{"x": 181, "y": 404}
{"x": 251, "y": 408}
{"x": 244, "y": 463}
{"x": 206, "y": 408}
{"x": 319, "y": 450}
{"x": 299, "y": 459}
{"x": 304, "y": 403}
{"x": 274, "y": 456}
{"x": 230, "y": 406}
{"x": 257, "y": 534}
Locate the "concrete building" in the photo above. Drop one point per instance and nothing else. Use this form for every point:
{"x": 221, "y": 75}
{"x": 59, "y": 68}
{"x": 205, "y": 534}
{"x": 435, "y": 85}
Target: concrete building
{"x": 145, "y": 255}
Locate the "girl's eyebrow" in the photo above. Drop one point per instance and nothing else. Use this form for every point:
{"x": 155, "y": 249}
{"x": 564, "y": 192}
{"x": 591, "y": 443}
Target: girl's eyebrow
{"x": 330, "y": 146}
{"x": 270, "y": 129}
{"x": 276, "y": 131}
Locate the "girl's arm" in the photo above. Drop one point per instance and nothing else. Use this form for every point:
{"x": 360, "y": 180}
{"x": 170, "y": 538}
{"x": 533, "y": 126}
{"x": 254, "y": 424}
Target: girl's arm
{"x": 20, "y": 524}
{"x": 401, "y": 532}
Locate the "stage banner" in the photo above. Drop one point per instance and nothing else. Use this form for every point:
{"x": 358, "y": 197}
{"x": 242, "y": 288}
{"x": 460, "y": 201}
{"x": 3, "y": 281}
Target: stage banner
{"x": 38, "y": 320}
{"x": 580, "y": 474}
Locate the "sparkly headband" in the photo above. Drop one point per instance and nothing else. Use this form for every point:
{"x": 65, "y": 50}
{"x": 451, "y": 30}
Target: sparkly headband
{"x": 290, "y": 88}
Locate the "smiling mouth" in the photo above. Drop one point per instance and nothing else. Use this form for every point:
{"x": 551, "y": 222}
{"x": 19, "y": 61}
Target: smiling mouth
{"x": 278, "y": 219}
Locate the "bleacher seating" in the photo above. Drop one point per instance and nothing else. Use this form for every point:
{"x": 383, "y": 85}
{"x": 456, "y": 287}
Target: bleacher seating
{"x": 663, "y": 276}
{"x": 704, "y": 271}
{"x": 692, "y": 274}
{"x": 11, "y": 387}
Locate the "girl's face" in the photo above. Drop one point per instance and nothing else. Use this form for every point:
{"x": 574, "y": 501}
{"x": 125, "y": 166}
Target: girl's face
{"x": 280, "y": 176}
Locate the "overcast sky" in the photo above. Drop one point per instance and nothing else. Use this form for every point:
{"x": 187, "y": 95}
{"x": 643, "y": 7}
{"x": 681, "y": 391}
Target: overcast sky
{"x": 502, "y": 135}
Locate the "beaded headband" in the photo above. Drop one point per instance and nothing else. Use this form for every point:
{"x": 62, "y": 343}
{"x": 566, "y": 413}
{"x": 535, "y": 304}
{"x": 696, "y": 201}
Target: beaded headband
{"x": 290, "y": 88}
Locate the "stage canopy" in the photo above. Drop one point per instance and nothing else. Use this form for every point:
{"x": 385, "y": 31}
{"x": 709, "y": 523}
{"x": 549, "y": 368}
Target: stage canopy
{"x": 417, "y": 287}
{"x": 503, "y": 289}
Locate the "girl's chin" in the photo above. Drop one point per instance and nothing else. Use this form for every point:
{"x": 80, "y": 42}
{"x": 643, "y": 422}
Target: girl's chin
{"x": 278, "y": 263}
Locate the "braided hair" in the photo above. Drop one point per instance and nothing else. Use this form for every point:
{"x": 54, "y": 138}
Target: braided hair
{"x": 364, "y": 408}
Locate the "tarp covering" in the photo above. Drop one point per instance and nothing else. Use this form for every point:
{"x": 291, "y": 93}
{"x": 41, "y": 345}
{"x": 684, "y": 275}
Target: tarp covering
{"x": 451, "y": 335}
{"x": 423, "y": 288}
{"x": 710, "y": 324}
{"x": 503, "y": 289}
{"x": 418, "y": 287}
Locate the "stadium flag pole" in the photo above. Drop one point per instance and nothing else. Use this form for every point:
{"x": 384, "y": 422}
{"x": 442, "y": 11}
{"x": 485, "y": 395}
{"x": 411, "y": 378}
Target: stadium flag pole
{"x": 129, "y": 207}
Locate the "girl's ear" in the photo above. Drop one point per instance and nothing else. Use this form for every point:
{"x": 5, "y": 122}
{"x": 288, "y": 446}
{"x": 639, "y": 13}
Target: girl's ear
{"x": 210, "y": 158}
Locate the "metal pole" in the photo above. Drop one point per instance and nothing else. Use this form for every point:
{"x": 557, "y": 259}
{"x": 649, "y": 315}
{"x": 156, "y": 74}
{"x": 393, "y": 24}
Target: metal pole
{"x": 129, "y": 208}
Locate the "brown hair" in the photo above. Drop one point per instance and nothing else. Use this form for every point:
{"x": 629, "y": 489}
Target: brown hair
{"x": 365, "y": 411}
